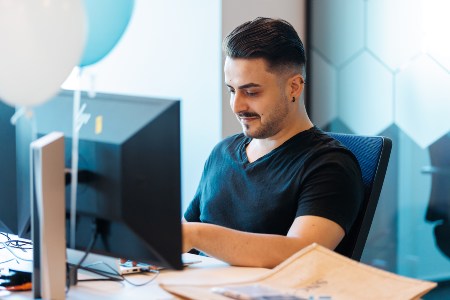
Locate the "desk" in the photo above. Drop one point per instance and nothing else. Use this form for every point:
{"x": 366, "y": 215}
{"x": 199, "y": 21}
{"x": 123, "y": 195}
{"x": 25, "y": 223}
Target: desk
{"x": 209, "y": 269}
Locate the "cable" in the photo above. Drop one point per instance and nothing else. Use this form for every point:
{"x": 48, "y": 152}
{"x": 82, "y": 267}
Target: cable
{"x": 145, "y": 283}
{"x": 100, "y": 279}
{"x": 5, "y": 244}
{"x": 108, "y": 275}
{"x": 5, "y": 234}
{"x": 74, "y": 270}
{"x": 89, "y": 247}
{"x": 16, "y": 246}
{"x": 101, "y": 272}
{"x": 3, "y": 262}
{"x": 19, "y": 244}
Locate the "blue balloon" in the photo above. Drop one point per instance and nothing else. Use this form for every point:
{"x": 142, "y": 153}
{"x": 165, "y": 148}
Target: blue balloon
{"x": 107, "y": 20}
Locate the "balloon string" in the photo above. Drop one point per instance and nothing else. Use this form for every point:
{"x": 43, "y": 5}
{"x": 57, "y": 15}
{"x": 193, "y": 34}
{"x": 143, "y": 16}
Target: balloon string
{"x": 74, "y": 171}
{"x": 32, "y": 119}
{"x": 92, "y": 93}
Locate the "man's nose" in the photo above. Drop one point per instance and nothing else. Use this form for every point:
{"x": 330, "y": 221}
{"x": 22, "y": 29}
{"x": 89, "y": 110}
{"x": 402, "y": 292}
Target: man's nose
{"x": 238, "y": 103}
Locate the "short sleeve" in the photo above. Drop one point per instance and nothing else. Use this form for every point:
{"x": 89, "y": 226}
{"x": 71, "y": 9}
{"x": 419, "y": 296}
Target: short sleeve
{"x": 192, "y": 213}
{"x": 332, "y": 188}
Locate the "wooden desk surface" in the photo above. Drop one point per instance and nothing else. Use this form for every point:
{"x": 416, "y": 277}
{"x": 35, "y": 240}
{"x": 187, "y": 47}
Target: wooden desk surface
{"x": 209, "y": 270}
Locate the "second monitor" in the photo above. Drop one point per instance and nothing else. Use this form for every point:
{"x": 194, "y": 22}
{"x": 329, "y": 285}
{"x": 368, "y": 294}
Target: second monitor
{"x": 130, "y": 152}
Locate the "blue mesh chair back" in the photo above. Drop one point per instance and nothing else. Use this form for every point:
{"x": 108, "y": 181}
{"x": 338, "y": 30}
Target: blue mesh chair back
{"x": 372, "y": 154}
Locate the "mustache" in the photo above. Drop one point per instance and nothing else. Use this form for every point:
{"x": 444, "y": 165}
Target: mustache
{"x": 246, "y": 114}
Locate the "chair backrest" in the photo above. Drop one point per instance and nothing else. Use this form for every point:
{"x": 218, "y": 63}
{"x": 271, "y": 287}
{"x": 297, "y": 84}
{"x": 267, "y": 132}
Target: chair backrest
{"x": 372, "y": 154}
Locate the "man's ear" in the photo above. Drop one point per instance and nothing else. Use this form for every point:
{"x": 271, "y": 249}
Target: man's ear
{"x": 296, "y": 84}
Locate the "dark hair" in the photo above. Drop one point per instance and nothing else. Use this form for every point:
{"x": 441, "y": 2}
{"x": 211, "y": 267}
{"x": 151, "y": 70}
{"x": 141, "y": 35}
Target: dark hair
{"x": 274, "y": 40}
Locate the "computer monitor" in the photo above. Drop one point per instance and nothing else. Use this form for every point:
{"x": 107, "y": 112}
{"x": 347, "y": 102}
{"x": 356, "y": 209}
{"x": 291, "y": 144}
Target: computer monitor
{"x": 8, "y": 190}
{"x": 131, "y": 149}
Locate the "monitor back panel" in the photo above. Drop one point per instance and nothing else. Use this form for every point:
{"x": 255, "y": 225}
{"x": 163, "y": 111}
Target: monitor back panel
{"x": 131, "y": 146}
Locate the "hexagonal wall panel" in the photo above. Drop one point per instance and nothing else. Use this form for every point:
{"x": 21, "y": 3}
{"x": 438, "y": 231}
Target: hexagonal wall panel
{"x": 442, "y": 56}
{"x": 339, "y": 34}
{"x": 394, "y": 30}
{"x": 436, "y": 25}
{"x": 337, "y": 126}
{"x": 422, "y": 101}
{"x": 365, "y": 97}
{"x": 323, "y": 91}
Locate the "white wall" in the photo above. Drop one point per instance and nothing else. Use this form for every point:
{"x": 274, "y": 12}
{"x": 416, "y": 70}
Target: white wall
{"x": 236, "y": 12}
{"x": 171, "y": 49}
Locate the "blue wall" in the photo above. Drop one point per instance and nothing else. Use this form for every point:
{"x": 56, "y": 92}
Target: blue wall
{"x": 382, "y": 67}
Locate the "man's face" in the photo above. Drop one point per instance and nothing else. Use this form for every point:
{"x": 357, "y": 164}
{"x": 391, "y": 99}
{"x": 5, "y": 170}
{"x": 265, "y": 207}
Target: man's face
{"x": 258, "y": 98}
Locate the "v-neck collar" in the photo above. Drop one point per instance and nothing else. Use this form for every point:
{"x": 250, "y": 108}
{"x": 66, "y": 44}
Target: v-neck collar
{"x": 243, "y": 148}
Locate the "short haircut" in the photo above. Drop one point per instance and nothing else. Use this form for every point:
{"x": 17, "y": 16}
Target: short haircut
{"x": 273, "y": 40}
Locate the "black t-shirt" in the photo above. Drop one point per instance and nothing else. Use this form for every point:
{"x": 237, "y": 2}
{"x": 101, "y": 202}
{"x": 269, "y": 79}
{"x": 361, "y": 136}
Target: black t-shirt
{"x": 309, "y": 174}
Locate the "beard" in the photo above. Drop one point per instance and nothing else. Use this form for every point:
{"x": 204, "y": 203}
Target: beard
{"x": 272, "y": 124}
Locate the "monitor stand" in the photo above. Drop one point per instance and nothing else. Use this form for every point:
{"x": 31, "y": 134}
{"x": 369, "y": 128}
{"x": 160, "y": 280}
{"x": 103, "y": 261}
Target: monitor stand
{"x": 48, "y": 217}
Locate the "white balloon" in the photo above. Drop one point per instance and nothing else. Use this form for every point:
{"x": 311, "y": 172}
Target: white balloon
{"x": 41, "y": 41}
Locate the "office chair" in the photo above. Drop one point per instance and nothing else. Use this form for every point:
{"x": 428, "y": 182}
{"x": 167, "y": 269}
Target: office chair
{"x": 372, "y": 154}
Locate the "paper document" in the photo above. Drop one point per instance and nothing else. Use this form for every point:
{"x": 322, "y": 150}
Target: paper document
{"x": 316, "y": 273}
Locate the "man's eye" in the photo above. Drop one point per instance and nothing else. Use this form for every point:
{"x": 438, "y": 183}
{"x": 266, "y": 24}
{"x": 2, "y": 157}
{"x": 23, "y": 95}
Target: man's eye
{"x": 231, "y": 91}
{"x": 252, "y": 94}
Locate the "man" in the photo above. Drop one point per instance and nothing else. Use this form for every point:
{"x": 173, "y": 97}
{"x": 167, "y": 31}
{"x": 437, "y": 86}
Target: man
{"x": 282, "y": 184}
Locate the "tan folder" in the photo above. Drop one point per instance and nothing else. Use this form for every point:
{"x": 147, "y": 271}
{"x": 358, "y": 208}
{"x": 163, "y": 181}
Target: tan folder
{"x": 316, "y": 272}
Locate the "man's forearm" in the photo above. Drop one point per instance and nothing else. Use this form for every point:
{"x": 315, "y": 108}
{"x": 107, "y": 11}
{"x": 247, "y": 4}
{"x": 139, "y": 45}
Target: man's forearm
{"x": 242, "y": 248}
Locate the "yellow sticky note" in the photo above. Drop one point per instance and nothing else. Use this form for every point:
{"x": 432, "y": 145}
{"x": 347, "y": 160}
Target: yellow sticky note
{"x": 98, "y": 124}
